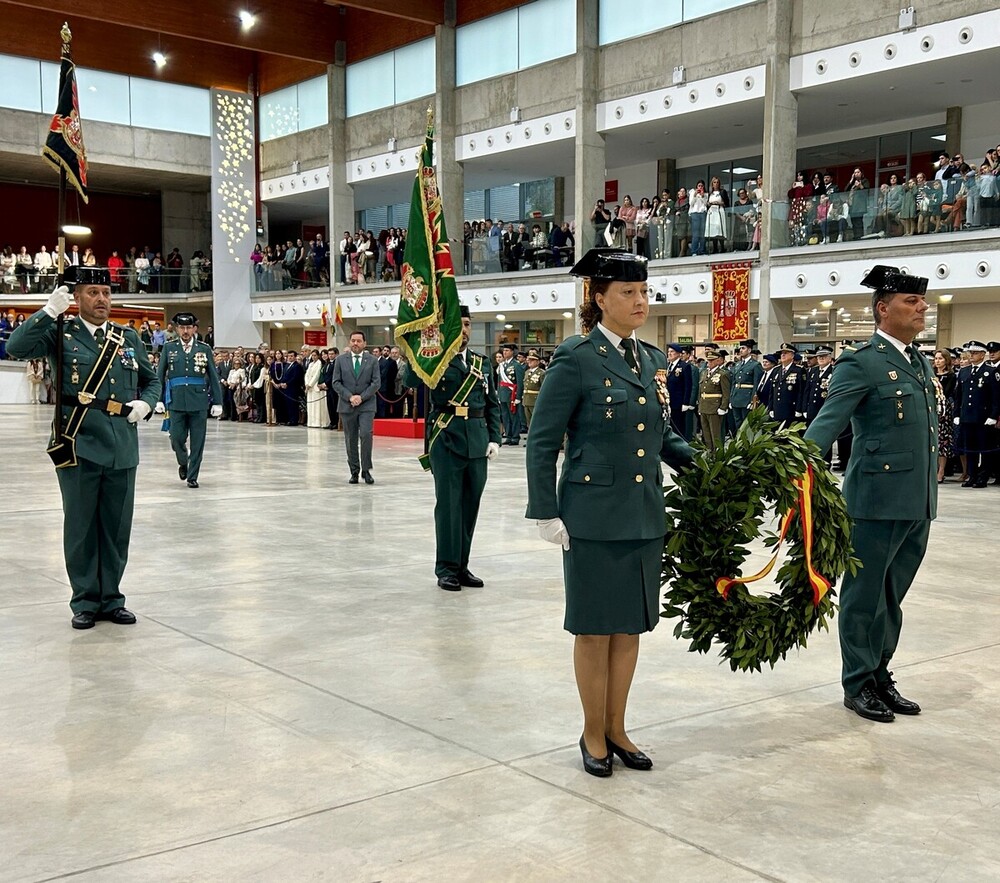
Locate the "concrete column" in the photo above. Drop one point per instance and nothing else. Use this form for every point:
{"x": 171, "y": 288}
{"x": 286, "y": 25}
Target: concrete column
{"x": 186, "y": 224}
{"x": 945, "y": 326}
{"x": 233, "y": 222}
{"x": 450, "y": 172}
{"x": 589, "y": 148}
{"x": 341, "y": 194}
{"x": 953, "y": 130}
{"x": 666, "y": 175}
{"x": 781, "y": 116}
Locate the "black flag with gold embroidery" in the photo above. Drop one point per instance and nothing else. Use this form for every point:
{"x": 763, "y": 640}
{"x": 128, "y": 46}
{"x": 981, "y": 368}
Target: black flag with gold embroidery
{"x": 64, "y": 145}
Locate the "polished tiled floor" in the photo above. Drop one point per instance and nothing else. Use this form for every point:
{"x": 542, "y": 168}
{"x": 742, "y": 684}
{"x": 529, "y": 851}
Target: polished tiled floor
{"x": 300, "y": 702}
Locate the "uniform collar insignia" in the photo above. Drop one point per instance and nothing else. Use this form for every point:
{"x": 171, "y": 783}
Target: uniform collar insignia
{"x": 602, "y": 349}
{"x": 881, "y": 346}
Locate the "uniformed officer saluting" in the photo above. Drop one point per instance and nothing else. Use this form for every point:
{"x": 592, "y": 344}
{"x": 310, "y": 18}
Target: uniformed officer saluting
{"x": 607, "y": 392}
{"x": 885, "y": 387}
{"x": 187, "y": 372}
{"x": 108, "y": 386}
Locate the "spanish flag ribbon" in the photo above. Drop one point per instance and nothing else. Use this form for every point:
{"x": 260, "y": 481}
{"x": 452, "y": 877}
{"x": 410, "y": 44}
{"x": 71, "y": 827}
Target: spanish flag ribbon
{"x": 820, "y": 585}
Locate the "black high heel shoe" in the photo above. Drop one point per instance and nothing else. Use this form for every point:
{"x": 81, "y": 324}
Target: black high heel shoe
{"x": 596, "y": 766}
{"x": 634, "y": 760}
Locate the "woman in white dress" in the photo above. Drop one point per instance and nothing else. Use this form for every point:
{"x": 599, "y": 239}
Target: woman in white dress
{"x": 237, "y": 382}
{"x": 316, "y": 415}
{"x": 717, "y": 227}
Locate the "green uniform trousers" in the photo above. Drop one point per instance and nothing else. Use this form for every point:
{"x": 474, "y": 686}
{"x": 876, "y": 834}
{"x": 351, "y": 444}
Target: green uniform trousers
{"x": 458, "y": 488}
{"x": 711, "y": 429}
{"x": 870, "y": 616}
{"x": 183, "y": 424}
{"x": 97, "y": 525}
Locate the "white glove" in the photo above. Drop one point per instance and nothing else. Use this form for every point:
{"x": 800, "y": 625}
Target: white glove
{"x": 552, "y": 530}
{"x": 800, "y": 414}
{"x": 770, "y": 414}
{"x": 59, "y": 301}
{"x": 492, "y": 449}
{"x": 140, "y": 410}
{"x": 723, "y": 412}
{"x": 216, "y": 411}
{"x": 956, "y": 421}
{"x": 160, "y": 408}
{"x": 687, "y": 407}
{"x": 990, "y": 421}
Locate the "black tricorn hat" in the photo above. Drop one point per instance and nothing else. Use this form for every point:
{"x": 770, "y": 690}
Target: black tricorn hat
{"x": 892, "y": 280}
{"x": 464, "y": 312}
{"x": 87, "y": 276}
{"x": 749, "y": 343}
{"x": 611, "y": 265}
{"x": 185, "y": 319}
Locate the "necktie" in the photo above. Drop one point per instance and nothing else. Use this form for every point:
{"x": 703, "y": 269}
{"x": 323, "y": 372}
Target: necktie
{"x": 357, "y": 365}
{"x": 629, "y": 345}
{"x": 915, "y": 358}
{"x": 99, "y": 336}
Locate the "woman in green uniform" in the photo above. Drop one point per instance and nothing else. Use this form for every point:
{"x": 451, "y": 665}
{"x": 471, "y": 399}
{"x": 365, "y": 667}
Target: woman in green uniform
{"x": 606, "y": 392}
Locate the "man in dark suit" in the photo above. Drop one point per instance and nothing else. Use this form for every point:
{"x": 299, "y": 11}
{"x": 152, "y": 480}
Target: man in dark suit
{"x": 294, "y": 391}
{"x": 977, "y": 410}
{"x": 885, "y": 387}
{"x": 356, "y": 381}
{"x": 762, "y": 395}
{"x": 228, "y": 402}
{"x": 387, "y": 369}
{"x": 326, "y": 384}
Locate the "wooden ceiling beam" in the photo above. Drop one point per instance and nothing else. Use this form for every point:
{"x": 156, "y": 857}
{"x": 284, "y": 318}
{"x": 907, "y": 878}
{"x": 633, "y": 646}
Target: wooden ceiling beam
{"x": 306, "y": 30}
{"x": 424, "y": 11}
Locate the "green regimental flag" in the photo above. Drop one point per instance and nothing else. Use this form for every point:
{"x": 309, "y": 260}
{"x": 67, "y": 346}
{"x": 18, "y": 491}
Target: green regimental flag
{"x": 429, "y": 323}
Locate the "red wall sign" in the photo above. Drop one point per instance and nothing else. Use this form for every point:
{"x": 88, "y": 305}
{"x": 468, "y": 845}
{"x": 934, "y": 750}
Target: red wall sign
{"x": 611, "y": 191}
{"x": 314, "y": 338}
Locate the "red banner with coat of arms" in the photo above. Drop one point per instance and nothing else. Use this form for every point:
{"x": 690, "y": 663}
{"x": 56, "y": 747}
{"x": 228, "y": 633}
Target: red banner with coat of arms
{"x": 730, "y": 301}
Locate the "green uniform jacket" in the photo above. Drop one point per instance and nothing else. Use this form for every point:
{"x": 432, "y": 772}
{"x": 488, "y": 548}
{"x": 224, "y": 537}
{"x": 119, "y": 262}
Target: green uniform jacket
{"x": 102, "y": 439}
{"x": 464, "y": 438}
{"x": 199, "y": 364}
{"x": 746, "y": 376}
{"x": 892, "y": 473}
{"x": 713, "y": 391}
{"x": 611, "y": 482}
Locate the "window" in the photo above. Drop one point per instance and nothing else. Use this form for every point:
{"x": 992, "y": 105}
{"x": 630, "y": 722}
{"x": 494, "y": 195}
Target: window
{"x": 391, "y": 78}
{"x": 20, "y": 84}
{"x": 293, "y": 109}
{"x": 645, "y": 16}
{"x": 170, "y": 107}
{"x": 515, "y": 39}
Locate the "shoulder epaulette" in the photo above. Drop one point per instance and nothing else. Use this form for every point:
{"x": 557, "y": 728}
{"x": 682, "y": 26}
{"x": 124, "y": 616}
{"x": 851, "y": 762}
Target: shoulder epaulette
{"x": 651, "y": 346}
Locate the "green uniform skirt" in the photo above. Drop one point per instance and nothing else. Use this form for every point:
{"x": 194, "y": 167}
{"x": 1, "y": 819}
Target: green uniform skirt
{"x": 612, "y": 588}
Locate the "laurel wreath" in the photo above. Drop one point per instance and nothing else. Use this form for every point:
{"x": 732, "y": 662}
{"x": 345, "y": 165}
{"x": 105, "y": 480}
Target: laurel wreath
{"x": 716, "y": 509}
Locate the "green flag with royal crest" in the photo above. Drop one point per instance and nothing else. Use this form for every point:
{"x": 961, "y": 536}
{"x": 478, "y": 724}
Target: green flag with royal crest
{"x": 429, "y": 321}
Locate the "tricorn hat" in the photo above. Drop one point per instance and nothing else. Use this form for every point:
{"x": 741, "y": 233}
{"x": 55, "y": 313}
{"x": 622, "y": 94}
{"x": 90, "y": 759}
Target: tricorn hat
{"x": 612, "y": 265}
{"x": 750, "y": 343}
{"x": 185, "y": 318}
{"x": 464, "y": 312}
{"x": 892, "y": 280}
{"x": 74, "y": 275}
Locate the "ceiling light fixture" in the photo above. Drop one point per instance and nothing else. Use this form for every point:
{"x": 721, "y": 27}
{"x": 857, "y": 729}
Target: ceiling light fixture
{"x": 279, "y": 324}
{"x": 826, "y": 304}
{"x": 247, "y": 19}
{"x": 567, "y": 315}
{"x": 76, "y": 230}
{"x": 159, "y": 59}
{"x": 500, "y": 317}
{"x": 945, "y": 298}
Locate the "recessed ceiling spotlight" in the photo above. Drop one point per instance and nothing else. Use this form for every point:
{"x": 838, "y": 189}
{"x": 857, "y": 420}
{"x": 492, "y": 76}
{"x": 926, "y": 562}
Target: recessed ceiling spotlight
{"x": 500, "y": 317}
{"x": 945, "y": 298}
{"x": 826, "y": 304}
{"x": 247, "y": 19}
{"x": 159, "y": 59}
{"x": 567, "y": 315}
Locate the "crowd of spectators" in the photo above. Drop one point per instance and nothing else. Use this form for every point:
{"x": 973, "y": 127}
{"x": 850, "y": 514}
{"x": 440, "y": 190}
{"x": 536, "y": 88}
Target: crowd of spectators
{"x": 291, "y": 265}
{"x": 365, "y": 257}
{"x": 137, "y": 270}
{"x": 501, "y": 247}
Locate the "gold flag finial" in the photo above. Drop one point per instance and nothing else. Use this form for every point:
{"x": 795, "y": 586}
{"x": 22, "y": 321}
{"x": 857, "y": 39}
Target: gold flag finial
{"x": 66, "y": 34}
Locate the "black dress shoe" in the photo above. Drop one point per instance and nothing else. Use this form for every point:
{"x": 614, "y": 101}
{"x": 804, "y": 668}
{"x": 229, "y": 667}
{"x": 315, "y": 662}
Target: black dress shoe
{"x": 968, "y": 483}
{"x": 981, "y": 483}
{"x": 868, "y": 705}
{"x": 889, "y": 695}
{"x": 634, "y": 760}
{"x": 470, "y": 579}
{"x": 367, "y": 476}
{"x": 596, "y": 766}
{"x": 182, "y": 472}
{"x": 449, "y": 583}
{"x": 120, "y": 616}
{"x": 352, "y": 480}
{"x": 192, "y": 482}
{"x": 84, "y": 620}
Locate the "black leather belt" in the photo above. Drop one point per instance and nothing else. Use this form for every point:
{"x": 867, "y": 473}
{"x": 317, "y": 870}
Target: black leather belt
{"x": 108, "y": 406}
{"x": 462, "y": 411}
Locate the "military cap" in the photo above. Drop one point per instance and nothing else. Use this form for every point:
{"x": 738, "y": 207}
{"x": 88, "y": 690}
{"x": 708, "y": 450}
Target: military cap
{"x": 787, "y": 348}
{"x": 723, "y": 354}
{"x": 533, "y": 354}
{"x": 689, "y": 349}
{"x": 750, "y": 343}
{"x": 676, "y": 347}
{"x": 755, "y": 351}
{"x": 892, "y": 280}
{"x": 956, "y": 352}
{"x": 87, "y": 276}
{"x": 809, "y": 353}
{"x": 508, "y": 346}
{"x": 712, "y": 353}
{"x": 770, "y": 357}
{"x": 464, "y": 312}
{"x": 993, "y": 347}
{"x": 611, "y": 265}
{"x": 975, "y": 346}
{"x": 185, "y": 318}
{"x": 824, "y": 350}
